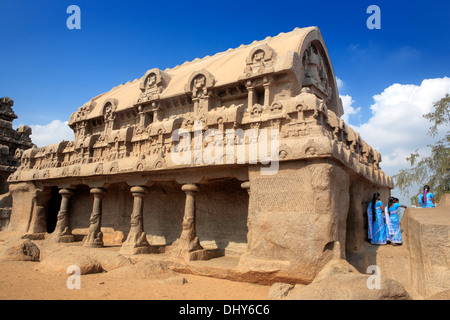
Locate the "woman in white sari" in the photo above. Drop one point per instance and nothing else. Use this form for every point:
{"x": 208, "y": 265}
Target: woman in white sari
{"x": 394, "y": 234}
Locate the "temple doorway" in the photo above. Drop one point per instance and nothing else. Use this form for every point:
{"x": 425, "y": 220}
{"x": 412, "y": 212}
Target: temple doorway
{"x": 53, "y": 209}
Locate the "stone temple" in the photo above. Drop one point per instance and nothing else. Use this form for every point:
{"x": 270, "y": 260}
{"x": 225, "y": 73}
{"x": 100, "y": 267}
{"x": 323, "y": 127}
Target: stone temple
{"x": 120, "y": 182}
{"x": 12, "y": 144}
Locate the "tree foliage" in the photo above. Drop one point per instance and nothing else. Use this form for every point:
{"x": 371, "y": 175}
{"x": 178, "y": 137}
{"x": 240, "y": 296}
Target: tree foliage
{"x": 433, "y": 170}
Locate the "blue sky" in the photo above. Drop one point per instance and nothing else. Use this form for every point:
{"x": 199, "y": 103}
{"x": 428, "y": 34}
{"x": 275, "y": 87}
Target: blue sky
{"x": 47, "y": 67}
{"x": 50, "y": 71}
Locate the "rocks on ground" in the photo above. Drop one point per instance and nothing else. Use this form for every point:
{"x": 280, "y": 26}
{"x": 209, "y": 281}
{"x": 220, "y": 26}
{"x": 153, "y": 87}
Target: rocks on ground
{"x": 20, "y": 250}
{"x": 338, "y": 280}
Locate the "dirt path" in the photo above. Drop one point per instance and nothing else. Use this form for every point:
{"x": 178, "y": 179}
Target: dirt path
{"x": 19, "y": 280}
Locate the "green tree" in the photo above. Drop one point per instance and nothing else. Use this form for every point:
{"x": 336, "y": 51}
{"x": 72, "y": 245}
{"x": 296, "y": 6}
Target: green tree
{"x": 435, "y": 169}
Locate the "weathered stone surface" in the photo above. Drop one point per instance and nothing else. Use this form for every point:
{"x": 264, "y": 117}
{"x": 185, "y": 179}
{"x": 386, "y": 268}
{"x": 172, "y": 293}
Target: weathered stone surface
{"x": 147, "y": 269}
{"x": 177, "y": 280}
{"x": 56, "y": 258}
{"x": 5, "y": 210}
{"x": 58, "y": 262}
{"x": 443, "y": 295}
{"x": 12, "y": 143}
{"x": 393, "y": 262}
{"x": 279, "y": 290}
{"x": 340, "y": 281}
{"x": 22, "y": 250}
{"x": 335, "y": 267}
{"x": 23, "y": 210}
{"x": 427, "y": 237}
{"x": 313, "y": 202}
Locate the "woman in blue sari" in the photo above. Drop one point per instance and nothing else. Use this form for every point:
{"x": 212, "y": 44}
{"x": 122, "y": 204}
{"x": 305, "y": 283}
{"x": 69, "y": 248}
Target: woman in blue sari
{"x": 394, "y": 234}
{"x": 426, "y": 199}
{"x": 376, "y": 223}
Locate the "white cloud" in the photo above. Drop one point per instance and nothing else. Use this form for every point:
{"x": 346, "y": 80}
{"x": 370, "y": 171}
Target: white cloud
{"x": 53, "y": 132}
{"x": 339, "y": 83}
{"x": 347, "y": 104}
{"x": 397, "y": 127}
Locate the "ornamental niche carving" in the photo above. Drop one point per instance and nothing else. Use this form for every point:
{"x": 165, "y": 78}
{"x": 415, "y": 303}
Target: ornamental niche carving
{"x": 84, "y": 111}
{"x": 152, "y": 85}
{"x": 259, "y": 61}
{"x": 109, "y": 108}
{"x": 199, "y": 83}
{"x": 316, "y": 71}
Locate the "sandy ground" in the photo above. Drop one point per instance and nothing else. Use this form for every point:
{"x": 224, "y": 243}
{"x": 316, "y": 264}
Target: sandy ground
{"x": 19, "y": 281}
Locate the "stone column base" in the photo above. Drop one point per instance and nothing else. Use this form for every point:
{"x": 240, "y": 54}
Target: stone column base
{"x": 64, "y": 239}
{"x": 141, "y": 250}
{"x": 202, "y": 254}
{"x": 93, "y": 244}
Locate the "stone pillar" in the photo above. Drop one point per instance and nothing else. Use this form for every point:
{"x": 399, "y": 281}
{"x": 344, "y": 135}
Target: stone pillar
{"x": 266, "y": 85}
{"x": 62, "y": 232}
{"x": 95, "y": 236}
{"x": 196, "y": 102}
{"x": 246, "y": 185}
{"x": 189, "y": 247}
{"x": 141, "y": 115}
{"x": 136, "y": 242}
{"x": 251, "y": 95}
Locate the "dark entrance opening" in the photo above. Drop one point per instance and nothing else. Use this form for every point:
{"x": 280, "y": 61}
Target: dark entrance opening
{"x": 53, "y": 208}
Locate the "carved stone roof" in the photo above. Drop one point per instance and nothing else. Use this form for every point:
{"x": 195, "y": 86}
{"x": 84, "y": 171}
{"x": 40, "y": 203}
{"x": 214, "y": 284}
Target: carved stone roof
{"x": 284, "y": 84}
{"x": 284, "y": 51}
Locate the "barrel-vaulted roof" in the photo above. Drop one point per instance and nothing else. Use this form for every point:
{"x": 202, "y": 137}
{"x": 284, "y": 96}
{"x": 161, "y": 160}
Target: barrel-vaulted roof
{"x": 225, "y": 67}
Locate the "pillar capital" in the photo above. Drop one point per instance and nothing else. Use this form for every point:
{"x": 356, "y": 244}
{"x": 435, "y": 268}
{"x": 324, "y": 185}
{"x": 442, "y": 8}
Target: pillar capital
{"x": 138, "y": 191}
{"x": 66, "y": 193}
{"x": 245, "y": 185}
{"x": 98, "y": 192}
{"x": 189, "y": 187}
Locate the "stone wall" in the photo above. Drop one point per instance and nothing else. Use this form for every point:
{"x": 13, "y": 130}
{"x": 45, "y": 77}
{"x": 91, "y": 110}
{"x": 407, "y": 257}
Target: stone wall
{"x": 5, "y": 210}
{"x": 12, "y": 142}
{"x": 297, "y": 219}
{"x": 427, "y": 233}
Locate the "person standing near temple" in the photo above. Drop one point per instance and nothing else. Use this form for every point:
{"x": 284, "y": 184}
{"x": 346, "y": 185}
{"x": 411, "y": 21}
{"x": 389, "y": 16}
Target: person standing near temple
{"x": 393, "y": 234}
{"x": 376, "y": 222}
{"x": 426, "y": 199}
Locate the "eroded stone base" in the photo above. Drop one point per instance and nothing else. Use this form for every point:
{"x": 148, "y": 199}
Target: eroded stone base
{"x": 94, "y": 244}
{"x": 205, "y": 254}
{"x": 63, "y": 239}
{"x": 129, "y": 250}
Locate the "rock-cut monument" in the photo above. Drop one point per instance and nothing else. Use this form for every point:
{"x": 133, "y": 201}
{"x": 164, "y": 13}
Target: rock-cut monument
{"x": 12, "y": 143}
{"x": 139, "y": 172}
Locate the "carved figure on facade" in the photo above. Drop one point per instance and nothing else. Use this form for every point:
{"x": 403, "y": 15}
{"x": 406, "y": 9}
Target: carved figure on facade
{"x": 259, "y": 61}
{"x": 199, "y": 84}
{"x": 152, "y": 85}
{"x": 316, "y": 73}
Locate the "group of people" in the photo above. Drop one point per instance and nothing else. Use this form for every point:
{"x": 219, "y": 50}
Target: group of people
{"x": 384, "y": 221}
